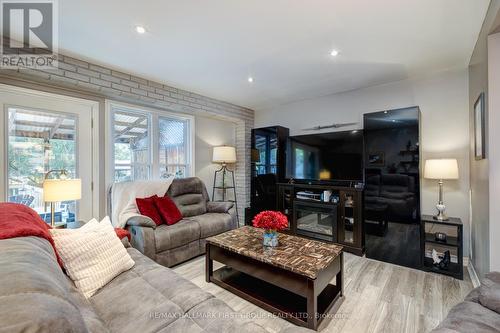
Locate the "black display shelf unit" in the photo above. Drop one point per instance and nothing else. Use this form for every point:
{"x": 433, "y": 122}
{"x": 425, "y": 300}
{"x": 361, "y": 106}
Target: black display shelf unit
{"x": 453, "y": 228}
{"x": 337, "y": 222}
{"x": 267, "y": 167}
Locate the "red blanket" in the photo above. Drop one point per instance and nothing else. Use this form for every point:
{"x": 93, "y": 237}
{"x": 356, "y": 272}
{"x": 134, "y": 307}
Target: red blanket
{"x": 18, "y": 220}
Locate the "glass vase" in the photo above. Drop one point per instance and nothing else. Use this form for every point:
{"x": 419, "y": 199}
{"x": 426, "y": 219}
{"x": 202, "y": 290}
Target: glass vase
{"x": 270, "y": 238}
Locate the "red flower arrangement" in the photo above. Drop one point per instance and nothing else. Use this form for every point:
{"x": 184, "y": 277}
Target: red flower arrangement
{"x": 270, "y": 220}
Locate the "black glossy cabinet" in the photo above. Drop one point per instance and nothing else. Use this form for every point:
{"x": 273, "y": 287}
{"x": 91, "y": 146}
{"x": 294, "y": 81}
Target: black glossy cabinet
{"x": 267, "y": 167}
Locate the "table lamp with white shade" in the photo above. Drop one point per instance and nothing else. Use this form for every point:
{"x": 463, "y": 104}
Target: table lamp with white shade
{"x": 224, "y": 155}
{"x": 61, "y": 189}
{"x": 441, "y": 169}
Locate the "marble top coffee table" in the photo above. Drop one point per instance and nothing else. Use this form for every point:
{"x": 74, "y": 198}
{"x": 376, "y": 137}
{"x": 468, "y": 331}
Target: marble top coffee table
{"x": 291, "y": 280}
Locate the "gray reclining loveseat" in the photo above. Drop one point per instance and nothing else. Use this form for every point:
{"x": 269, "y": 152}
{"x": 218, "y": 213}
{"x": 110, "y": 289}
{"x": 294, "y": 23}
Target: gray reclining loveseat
{"x": 169, "y": 245}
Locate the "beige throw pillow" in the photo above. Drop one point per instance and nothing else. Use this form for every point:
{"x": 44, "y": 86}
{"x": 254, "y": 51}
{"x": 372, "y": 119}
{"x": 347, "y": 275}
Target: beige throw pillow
{"x": 92, "y": 255}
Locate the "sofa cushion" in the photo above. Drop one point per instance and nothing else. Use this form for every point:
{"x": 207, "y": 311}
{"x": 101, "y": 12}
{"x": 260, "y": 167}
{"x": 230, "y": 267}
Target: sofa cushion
{"x": 219, "y": 206}
{"x": 35, "y": 294}
{"x": 489, "y": 292}
{"x": 169, "y": 212}
{"x": 169, "y": 258}
{"x": 172, "y": 236}
{"x": 470, "y": 317}
{"x": 147, "y": 207}
{"x": 213, "y": 315}
{"x": 147, "y": 298}
{"x": 213, "y": 223}
{"x": 191, "y": 204}
{"x": 190, "y": 195}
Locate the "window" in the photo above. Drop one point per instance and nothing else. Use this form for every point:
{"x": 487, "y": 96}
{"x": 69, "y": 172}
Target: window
{"x": 172, "y": 147}
{"x": 299, "y": 163}
{"x": 150, "y": 144}
{"x": 132, "y": 155}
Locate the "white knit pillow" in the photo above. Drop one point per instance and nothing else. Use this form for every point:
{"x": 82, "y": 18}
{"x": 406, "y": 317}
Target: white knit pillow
{"x": 92, "y": 255}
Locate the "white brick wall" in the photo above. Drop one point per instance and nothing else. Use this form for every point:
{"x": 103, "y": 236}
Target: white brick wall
{"x": 104, "y": 82}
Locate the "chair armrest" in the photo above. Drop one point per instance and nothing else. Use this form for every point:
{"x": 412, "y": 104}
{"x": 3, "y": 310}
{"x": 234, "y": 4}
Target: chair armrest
{"x": 219, "y": 206}
{"x": 141, "y": 221}
{"x": 143, "y": 239}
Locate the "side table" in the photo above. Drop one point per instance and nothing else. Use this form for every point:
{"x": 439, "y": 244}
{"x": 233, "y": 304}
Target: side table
{"x": 453, "y": 228}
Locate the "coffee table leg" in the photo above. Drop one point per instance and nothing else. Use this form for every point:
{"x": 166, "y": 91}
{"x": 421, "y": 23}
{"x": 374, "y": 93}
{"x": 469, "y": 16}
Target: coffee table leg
{"x": 312, "y": 306}
{"x": 209, "y": 264}
{"x": 340, "y": 275}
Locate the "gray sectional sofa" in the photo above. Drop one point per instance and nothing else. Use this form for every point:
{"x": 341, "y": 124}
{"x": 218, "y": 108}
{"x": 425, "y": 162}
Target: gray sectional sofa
{"x": 169, "y": 245}
{"x": 479, "y": 312}
{"x": 36, "y": 296}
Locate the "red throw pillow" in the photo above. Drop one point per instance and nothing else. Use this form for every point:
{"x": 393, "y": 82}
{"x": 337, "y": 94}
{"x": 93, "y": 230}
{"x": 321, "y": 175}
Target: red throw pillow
{"x": 122, "y": 233}
{"x": 168, "y": 210}
{"x": 147, "y": 207}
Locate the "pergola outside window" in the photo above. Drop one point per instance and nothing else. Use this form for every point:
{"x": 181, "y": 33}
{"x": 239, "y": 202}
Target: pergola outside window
{"x": 39, "y": 141}
{"x": 149, "y": 144}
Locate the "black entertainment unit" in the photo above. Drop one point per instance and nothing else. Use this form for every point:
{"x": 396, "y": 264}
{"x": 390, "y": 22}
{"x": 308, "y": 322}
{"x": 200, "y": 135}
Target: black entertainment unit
{"x": 336, "y": 216}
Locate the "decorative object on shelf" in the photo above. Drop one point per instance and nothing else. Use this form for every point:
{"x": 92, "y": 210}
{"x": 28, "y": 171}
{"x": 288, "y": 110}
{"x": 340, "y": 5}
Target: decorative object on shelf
{"x": 60, "y": 189}
{"x": 445, "y": 261}
{"x": 255, "y": 156}
{"x": 349, "y": 202}
{"x": 442, "y": 262}
{"x": 435, "y": 257}
{"x": 442, "y": 257}
{"x": 224, "y": 155}
{"x": 327, "y": 195}
{"x": 441, "y": 169}
{"x": 376, "y": 158}
{"x": 255, "y": 160}
{"x": 479, "y": 130}
{"x": 440, "y": 236}
{"x": 271, "y": 222}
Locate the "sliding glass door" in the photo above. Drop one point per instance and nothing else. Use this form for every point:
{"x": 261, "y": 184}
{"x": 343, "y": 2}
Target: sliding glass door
{"x": 44, "y": 132}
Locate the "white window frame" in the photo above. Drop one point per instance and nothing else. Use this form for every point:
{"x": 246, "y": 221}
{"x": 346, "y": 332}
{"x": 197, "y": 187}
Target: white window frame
{"x": 153, "y": 128}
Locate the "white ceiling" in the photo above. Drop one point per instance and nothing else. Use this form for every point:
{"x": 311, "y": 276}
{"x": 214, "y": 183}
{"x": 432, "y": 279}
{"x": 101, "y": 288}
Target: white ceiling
{"x": 211, "y": 47}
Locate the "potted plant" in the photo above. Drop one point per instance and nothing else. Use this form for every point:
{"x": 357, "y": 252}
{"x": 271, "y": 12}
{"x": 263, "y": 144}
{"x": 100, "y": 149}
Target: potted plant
{"x": 271, "y": 222}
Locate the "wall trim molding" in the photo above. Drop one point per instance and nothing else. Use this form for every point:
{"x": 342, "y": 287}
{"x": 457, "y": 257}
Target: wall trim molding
{"x": 473, "y": 275}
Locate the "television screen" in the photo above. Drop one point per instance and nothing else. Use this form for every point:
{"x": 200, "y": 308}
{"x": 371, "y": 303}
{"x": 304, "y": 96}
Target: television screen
{"x": 326, "y": 156}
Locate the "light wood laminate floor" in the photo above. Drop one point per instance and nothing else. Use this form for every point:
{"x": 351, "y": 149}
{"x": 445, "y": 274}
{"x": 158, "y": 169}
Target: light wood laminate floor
{"x": 379, "y": 297}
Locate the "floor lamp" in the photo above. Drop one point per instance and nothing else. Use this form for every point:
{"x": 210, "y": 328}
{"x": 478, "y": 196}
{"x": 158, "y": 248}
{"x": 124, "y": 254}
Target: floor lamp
{"x": 224, "y": 155}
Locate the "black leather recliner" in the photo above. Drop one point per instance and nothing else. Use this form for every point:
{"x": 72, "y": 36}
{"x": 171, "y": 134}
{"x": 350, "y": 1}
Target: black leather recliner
{"x": 397, "y": 191}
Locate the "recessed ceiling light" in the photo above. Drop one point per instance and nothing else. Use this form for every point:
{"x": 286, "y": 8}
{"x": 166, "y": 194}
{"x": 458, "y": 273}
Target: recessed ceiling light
{"x": 250, "y": 79}
{"x": 334, "y": 53}
{"x": 140, "y": 29}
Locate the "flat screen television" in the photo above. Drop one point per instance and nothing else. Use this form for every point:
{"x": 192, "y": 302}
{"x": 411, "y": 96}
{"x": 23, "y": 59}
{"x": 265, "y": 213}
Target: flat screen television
{"x": 327, "y": 157}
